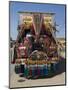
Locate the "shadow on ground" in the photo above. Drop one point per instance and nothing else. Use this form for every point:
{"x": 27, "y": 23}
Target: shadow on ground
{"x": 61, "y": 66}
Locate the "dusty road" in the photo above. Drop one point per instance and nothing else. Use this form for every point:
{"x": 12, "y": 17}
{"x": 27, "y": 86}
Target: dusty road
{"x": 16, "y": 81}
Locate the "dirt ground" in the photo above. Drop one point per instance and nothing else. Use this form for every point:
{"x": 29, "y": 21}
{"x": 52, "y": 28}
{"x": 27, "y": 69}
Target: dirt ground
{"x": 58, "y": 79}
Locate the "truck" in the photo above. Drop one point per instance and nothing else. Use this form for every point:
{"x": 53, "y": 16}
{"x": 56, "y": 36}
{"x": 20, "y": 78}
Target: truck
{"x": 36, "y": 45}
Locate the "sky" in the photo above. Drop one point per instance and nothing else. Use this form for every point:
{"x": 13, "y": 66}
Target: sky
{"x": 15, "y": 7}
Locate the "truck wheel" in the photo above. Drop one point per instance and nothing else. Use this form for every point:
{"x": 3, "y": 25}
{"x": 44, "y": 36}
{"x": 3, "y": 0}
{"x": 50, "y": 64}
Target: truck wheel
{"x": 17, "y": 69}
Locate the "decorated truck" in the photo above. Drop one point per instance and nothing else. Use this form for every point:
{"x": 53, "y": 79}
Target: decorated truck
{"x": 36, "y": 51}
